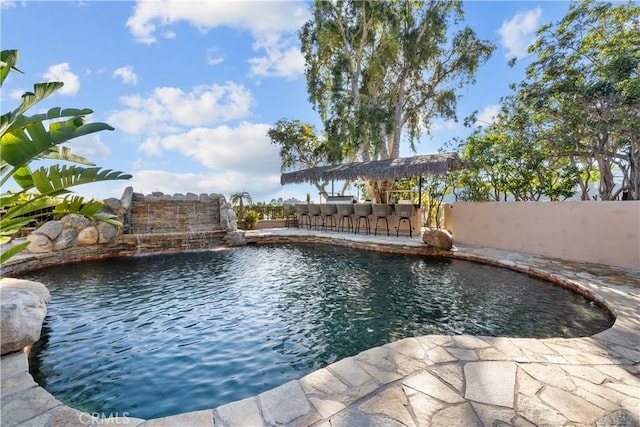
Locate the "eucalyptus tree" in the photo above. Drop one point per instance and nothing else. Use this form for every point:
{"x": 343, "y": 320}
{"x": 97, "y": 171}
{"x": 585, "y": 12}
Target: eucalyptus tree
{"x": 381, "y": 71}
{"x": 25, "y": 140}
{"x": 301, "y": 148}
{"x": 586, "y": 82}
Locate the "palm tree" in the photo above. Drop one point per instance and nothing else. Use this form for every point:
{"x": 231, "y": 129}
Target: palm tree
{"x": 237, "y": 199}
{"x": 24, "y": 139}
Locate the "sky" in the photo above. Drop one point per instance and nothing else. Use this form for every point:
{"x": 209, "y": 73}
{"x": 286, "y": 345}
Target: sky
{"x": 192, "y": 87}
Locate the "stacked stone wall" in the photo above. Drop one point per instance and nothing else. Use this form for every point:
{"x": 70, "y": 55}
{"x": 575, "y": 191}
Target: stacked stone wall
{"x": 158, "y": 213}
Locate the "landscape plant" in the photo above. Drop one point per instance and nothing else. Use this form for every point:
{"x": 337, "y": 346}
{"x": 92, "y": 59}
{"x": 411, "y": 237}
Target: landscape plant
{"x": 25, "y": 140}
{"x": 250, "y": 219}
{"x": 238, "y": 199}
{"x": 582, "y": 93}
{"x": 380, "y": 72}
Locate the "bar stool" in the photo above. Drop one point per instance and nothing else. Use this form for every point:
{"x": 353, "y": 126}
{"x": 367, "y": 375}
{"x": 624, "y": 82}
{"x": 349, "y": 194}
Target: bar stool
{"x": 345, "y": 210}
{"x": 303, "y": 212}
{"x": 381, "y": 211}
{"x": 328, "y": 210}
{"x": 405, "y": 212}
{"x": 315, "y": 215}
{"x": 362, "y": 211}
{"x": 290, "y": 216}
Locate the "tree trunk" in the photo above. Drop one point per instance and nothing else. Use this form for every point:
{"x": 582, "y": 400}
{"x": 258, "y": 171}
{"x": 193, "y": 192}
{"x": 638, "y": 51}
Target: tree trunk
{"x": 378, "y": 190}
{"x": 607, "y": 183}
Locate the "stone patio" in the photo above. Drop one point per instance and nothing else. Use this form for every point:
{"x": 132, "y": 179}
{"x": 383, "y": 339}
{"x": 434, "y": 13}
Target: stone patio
{"x": 428, "y": 380}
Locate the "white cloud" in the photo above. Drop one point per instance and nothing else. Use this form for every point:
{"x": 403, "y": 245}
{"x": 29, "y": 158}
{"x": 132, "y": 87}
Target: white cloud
{"x": 16, "y": 94}
{"x": 256, "y": 17}
{"x": 272, "y": 24}
{"x": 440, "y": 124}
{"x": 6, "y": 4}
{"x": 127, "y": 75}
{"x": 90, "y": 146}
{"x": 62, "y": 73}
{"x": 212, "y": 56}
{"x": 488, "y": 115}
{"x": 225, "y": 182}
{"x": 282, "y": 59}
{"x": 169, "y": 35}
{"x": 519, "y": 32}
{"x": 245, "y": 148}
{"x": 168, "y": 108}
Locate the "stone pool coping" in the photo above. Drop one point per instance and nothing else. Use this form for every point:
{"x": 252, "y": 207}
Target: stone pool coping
{"x": 428, "y": 380}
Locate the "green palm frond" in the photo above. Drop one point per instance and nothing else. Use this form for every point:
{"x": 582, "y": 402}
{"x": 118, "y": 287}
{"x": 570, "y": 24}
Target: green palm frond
{"x": 40, "y": 91}
{"x": 28, "y": 139}
{"x": 13, "y": 250}
{"x": 8, "y": 61}
{"x": 51, "y": 181}
{"x": 64, "y": 153}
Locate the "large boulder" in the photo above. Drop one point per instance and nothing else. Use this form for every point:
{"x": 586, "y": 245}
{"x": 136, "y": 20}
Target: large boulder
{"x": 22, "y": 310}
{"x": 50, "y": 229}
{"x": 66, "y": 239}
{"x": 88, "y": 236}
{"x": 106, "y": 232}
{"x": 438, "y": 239}
{"x": 75, "y": 221}
{"x": 39, "y": 243}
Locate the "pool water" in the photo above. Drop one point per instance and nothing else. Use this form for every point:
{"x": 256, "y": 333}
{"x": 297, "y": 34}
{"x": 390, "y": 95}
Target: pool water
{"x": 159, "y": 335}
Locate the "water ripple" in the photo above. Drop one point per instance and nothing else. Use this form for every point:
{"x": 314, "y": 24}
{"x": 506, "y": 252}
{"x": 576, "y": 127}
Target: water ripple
{"x": 159, "y": 335}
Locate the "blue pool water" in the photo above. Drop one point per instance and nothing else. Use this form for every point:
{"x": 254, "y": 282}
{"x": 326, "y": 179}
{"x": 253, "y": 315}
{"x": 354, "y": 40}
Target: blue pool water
{"x": 158, "y": 335}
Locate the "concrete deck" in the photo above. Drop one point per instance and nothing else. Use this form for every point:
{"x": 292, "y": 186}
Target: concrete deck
{"x": 428, "y": 380}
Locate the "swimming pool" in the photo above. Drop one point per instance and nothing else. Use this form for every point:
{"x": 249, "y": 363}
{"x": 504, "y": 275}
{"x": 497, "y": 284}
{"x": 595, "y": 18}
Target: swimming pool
{"x": 163, "y": 334}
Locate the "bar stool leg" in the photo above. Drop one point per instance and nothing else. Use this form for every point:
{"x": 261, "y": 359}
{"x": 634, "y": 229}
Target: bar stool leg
{"x": 400, "y": 222}
{"x": 386, "y": 221}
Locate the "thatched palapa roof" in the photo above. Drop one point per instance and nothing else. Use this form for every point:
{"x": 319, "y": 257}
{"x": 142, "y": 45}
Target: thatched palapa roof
{"x": 377, "y": 170}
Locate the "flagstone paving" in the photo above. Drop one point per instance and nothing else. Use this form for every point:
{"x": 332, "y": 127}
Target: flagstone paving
{"x": 427, "y": 380}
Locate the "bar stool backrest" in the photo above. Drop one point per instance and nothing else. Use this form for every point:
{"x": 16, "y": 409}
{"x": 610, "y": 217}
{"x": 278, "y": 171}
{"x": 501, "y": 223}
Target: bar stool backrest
{"x": 381, "y": 210}
{"x": 404, "y": 210}
{"x": 302, "y": 209}
{"x": 328, "y": 208}
{"x": 314, "y": 209}
{"x": 362, "y": 209}
{"x": 345, "y": 209}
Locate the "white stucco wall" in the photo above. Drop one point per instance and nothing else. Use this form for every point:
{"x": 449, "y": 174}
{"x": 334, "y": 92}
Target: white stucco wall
{"x": 599, "y": 232}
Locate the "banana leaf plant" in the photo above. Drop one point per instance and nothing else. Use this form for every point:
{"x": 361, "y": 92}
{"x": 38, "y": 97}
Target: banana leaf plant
{"x": 25, "y": 139}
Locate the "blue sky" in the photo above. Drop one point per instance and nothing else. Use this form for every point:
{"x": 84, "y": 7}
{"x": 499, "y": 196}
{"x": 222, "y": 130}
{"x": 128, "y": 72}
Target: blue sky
{"x": 193, "y": 86}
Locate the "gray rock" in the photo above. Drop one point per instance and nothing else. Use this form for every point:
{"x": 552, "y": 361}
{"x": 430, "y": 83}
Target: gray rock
{"x": 66, "y": 239}
{"x": 621, "y": 417}
{"x": 88, "y": 236}
{"x": 114, "y": 204}
{"x": 21, "y": 315}
{"x": 491, "y": 382}
{"x": 50, "y": 229}
{"x": 283, "y": 404}
{"x": 27, "y": 406}
{"x": 106, "y": 232}
{"x": 39, "y": 243}
{"x": 191, "y": 196}
{"x": 437, "y": 238}
{"x": 204, "y": 197}
{"x": 29, "y": 285}
{"x": 126, "y": 198}
{"x": 75, "y": 221}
